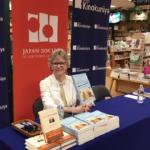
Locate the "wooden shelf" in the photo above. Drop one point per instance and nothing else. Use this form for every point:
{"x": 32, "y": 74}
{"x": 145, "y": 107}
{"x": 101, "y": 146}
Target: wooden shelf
{"x": 124, "y": 56}
{"x": 119, "y": 59}
{"x": 147, "y": 56}
{"x": 121, "y": 51}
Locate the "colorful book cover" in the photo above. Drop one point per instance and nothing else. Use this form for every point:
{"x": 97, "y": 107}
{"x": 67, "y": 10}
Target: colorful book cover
{"x": 75, "y": 124}
{"x": 38, "y": 143}
{"x": 83, "y": 88}
{"x": 96, "y": 117}
{"x": 135, "y": 58}
{"x": 49, "y": 120}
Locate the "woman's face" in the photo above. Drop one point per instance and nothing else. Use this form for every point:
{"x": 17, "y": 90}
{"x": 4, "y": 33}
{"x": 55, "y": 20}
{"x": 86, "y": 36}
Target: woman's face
{"x": 59, "y": 66}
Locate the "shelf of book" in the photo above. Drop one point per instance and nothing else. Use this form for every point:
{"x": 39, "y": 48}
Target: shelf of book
{"x": 119, "y": 57}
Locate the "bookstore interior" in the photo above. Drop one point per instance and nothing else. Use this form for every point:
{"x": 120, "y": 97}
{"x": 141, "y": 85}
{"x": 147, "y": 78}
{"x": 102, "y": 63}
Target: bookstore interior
{"x": 128, "y": 65}
{"x": 129, "y": 45}
{"x": 128, "y": 54}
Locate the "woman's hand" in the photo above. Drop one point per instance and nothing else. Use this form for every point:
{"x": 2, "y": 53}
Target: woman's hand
{"x": 87, "y": 107}
{"x": 82, "y": 108}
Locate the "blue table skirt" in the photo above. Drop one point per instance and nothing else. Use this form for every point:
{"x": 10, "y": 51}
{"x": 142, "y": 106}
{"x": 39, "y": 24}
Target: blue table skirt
{"x": 133, "y": 134}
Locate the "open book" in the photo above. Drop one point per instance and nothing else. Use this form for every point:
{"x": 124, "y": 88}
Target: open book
{"x": 83, "y": 88}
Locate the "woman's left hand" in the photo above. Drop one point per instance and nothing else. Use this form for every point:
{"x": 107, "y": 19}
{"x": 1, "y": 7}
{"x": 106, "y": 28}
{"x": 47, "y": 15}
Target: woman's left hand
{"x": 86, "y": 107}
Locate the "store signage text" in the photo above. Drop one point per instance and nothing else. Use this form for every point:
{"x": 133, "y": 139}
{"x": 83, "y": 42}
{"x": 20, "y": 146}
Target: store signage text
{"x": 85, "y": 5}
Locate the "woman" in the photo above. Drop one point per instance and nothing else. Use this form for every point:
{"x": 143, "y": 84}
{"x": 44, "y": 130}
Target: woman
{"x": 58, "y": 89}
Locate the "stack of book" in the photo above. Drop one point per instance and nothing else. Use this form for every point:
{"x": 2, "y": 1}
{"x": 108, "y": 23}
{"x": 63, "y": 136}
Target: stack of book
{"x": 67, "y": 141}
{"x": 115, "y": 73}
{"x": 82, "y": 130}
{"x": 133, "y": 76}
{"x": 38, "y": 143}
{"x": 101, "y": 122}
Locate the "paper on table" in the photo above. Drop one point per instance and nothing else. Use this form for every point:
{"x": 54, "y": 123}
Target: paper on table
{"x": 131, "y": 96}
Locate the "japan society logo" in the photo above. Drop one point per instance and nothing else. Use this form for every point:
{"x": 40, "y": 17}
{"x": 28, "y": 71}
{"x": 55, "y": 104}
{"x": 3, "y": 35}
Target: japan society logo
{"x": 42, "y": 28}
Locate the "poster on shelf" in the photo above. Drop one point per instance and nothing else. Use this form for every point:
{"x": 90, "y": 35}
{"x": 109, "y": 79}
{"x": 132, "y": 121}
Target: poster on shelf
{"x": 89, "y": 38}
{"x": 5, "y": 86}
{"x": 38, "y": 29}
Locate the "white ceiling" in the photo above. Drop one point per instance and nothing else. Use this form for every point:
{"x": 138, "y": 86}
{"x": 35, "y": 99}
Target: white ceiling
{"x": 124, "y": 4}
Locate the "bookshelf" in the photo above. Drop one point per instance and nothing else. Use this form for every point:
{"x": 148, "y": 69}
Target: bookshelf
{"x": 137, "y": 54}
{"x": 120, "y": 58}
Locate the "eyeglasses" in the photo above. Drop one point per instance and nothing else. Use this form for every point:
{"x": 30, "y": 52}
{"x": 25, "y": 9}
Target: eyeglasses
{"x": 59, "y": 63}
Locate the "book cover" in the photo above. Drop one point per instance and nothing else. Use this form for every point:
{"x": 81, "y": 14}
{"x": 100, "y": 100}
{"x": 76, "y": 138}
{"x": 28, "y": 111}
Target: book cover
{"x": 101, "y": 122}
{"x": 35, "y": 141}
{"x": 83, "y": 88}
{"x": 95, "y": 117}
{"x": 75, "y": 124}
{"x": 136, "y": 43}
{"x": 82, "y": 130}
{"x": 49, "y": 120}
{"x": 135, "y": 58}
{"x": 38, "y": 142}
{"x": 51, "y": 146}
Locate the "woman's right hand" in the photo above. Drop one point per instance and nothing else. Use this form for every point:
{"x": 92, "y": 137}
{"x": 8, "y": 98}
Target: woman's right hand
{"x": 82, "y": 108}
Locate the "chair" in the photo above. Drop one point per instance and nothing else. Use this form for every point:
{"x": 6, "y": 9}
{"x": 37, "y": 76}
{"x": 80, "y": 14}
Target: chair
{"x": 101, "y": 92}
{"x": 37, "y": 106}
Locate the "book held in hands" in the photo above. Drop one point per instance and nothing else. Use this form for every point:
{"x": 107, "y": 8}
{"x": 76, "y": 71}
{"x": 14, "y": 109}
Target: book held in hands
{"x": 83, "y": 88}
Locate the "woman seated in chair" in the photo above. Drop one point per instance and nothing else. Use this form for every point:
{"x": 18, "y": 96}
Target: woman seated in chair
{"x": 58, "y": 89}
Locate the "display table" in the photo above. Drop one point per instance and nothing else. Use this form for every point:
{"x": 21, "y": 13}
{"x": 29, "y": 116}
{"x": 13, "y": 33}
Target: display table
{"x": 127, "y": 86}
{"x": 133, "y": 134}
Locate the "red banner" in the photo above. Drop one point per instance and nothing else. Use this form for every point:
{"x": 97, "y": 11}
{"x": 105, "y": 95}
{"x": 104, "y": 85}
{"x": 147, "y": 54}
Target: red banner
{"x": 38, "y": 28}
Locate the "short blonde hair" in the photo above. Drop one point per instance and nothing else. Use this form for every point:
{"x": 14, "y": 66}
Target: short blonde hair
{"x": 59, "y": 52}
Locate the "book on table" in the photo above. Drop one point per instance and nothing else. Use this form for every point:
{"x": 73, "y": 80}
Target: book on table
{"x": 50, "y": 124}
{"x": 101, "y": 122}
{"x": 39, "y": 143}
{"x": 80, "y": 129}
